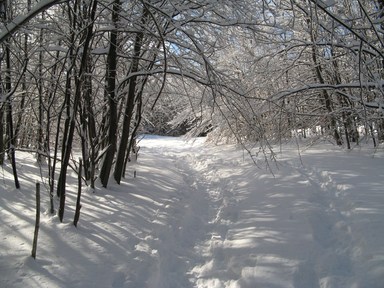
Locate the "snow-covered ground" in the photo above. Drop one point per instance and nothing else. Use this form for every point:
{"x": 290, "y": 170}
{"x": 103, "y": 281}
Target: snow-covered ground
{"x": 205, "y": 216}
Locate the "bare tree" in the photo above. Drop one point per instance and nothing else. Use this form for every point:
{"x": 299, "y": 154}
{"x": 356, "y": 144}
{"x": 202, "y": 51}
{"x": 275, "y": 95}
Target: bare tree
{"x": 110, "y": 93}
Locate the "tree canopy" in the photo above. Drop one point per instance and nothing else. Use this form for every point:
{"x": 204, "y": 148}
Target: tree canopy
{"x": 94, "y": 74}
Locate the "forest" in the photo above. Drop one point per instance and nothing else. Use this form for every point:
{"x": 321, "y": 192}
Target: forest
{"x": 93, "y": 75}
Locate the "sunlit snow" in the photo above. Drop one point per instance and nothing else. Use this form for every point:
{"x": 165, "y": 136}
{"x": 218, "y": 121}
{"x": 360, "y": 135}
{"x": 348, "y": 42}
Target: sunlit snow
{"x": 199, "y": 215}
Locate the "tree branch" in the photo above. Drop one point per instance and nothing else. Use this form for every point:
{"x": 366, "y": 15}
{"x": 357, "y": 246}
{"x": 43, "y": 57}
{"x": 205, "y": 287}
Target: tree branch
{"x": 16, "y": 23}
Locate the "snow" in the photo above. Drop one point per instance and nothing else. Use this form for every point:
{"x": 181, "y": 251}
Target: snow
{"x": 198, "y": 215}
{"x": 17, "y": 23}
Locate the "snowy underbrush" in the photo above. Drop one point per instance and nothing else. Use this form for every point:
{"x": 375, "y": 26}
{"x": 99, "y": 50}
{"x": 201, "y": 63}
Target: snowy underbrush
{"x": 201, "y": 215}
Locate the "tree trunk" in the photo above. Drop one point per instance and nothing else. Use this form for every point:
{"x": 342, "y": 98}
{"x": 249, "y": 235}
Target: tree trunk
{"x": 24, "y": 82}
{"x": 69, "y": 139}
{"x": 78, "y": 205}
{"x": 326, "y": 97}
{"x": 130, "y": 104}
{"x": 40, "y": 134}
{"x": 37, "y": 223}
{"x": 111, "y": 95}
{"x": 2, "y": 144}
{"x": 11, "y": 138}
{"x": 346, "y": 105}
{"x": 67, "y": 111}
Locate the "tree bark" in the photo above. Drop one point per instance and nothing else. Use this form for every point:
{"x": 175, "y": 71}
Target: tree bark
{"x": 78, "y": 205}
{"x": 76, "y": 100}
{"x": 130, "y": 104}
{"x": 326, "y": 97}
{"x": 11, "y": 138}
{"x": 37, "y": 223}
{"x": 111, "y": 95}
{"x": 2, "y": 144}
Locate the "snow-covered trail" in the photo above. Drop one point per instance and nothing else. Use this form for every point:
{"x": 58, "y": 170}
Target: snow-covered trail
{"x": 301, "y": 227}
{"x": 186, "y": 220}
{"x": 205, "y": 216}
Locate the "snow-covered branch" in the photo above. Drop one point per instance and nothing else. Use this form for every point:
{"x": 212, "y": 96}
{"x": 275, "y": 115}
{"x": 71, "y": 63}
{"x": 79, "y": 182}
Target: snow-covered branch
{"x": 339, "y": 88}
{"x": 16, "y": 23}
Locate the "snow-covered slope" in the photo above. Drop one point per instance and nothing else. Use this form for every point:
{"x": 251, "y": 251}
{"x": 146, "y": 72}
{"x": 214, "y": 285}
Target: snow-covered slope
{"x": 205, "y": 216}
